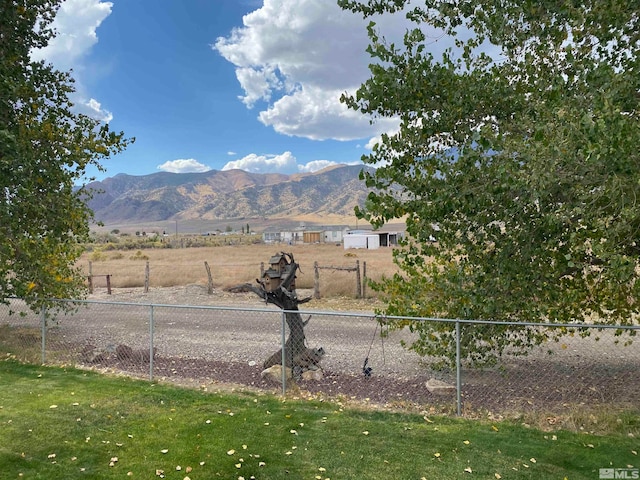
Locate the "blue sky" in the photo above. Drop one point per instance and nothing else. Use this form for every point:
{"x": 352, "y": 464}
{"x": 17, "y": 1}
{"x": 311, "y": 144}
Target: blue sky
{"x": 220, "y": 84}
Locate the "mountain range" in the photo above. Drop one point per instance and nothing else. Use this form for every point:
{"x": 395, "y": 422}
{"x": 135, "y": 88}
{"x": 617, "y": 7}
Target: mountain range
{"x": 229, "y": 194}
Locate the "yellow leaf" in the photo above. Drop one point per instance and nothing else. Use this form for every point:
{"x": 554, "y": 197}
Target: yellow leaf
{"x": 437, "y": 455}
{"x": 532, "y": 460}
{"x": 231, "y": 452}
{"x": 466, "y": 442}
{"x": 468, "y": 470}
{"x": 497, "y": 475}
{"x": 494, "y": 428}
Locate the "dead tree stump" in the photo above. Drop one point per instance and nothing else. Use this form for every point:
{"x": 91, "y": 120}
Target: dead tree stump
{"x": 277, "y": 286}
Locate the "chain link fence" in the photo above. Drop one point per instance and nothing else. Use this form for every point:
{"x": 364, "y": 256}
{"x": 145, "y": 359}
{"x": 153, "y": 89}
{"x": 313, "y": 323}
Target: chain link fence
{"x": 345, "y": 355}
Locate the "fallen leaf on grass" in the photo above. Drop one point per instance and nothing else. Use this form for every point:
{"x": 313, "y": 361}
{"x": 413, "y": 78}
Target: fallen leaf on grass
{"x": 497, "y": 475}
{"x": 231, "y": 452}
{"x": 468, "y": 470}
{"x": 165, "y": 450}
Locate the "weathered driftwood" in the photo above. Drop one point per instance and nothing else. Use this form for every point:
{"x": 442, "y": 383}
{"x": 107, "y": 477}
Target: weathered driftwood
{"x": 297, "y": 356}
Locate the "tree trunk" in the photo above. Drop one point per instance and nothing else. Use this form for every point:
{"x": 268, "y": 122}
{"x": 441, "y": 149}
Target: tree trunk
{"x": 297, "y": 356}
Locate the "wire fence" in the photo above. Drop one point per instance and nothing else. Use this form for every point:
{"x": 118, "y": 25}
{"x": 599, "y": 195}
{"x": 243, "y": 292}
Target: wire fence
{"x": 344, "y": 355}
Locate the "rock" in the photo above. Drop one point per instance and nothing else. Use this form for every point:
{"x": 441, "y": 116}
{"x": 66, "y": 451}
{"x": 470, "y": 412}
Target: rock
{"x": 274, "y": 373}
{"x": 124, "y": 353}
{"x": 438, "y": 387}
{"x": 312, "y": 375}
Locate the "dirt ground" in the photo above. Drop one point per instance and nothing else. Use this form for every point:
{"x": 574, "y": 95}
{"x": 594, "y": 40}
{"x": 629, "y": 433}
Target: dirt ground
{"x": 227, "y": 352}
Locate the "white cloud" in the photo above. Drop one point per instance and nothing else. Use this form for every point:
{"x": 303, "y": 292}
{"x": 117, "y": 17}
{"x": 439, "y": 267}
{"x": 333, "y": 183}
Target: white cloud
{"x": 93, "y": 109}
{"x": 76, "y": 23}
{"x": 283, "y": 163}
{"x": 294, "y": 58}
{"x": 299, "y": 56}
{"x": 315, "y": 166}
{"x": 231, "y": 154}
{"x": 183, "y": 165}
{"x": 315, "y": 113}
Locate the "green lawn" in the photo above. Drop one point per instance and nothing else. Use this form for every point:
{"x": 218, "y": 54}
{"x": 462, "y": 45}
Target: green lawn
{"x": 58, "y": 423}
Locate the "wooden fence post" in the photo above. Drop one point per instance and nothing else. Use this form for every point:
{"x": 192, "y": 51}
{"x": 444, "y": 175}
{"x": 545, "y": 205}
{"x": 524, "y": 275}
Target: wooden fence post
{"x": 146, "y": 278}
{"x": 210, "y": 287}
{"x": 316, "y": 280}
{"x": 108, "y": 284}
{"x": 90, "y": 278}
{"x": 364, "y": 279}
{"x": 358, "y": 282}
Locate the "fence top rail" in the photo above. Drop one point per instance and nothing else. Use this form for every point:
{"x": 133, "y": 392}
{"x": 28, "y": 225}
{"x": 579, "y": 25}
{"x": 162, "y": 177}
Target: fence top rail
{"x": 378, "y": 317}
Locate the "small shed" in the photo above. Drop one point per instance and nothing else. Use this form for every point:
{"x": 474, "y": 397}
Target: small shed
{"x": 370, "y": 241}
{"x": 279, "y": 267}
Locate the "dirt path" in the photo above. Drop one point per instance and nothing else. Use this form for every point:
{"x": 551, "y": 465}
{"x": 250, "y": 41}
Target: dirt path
{"x": 226, "y": 345}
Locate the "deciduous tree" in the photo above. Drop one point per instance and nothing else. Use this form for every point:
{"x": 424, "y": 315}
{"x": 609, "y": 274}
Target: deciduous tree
{"x": 518, "y": 152}
{"x": 45, "y": 149}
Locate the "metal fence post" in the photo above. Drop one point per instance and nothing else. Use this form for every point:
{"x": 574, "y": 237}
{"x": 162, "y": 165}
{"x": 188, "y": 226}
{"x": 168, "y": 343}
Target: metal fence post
{"x": 43, "y": 323}
{"x": 284, "y": 371}
{"x": 458, "y": 368}
{"x": 151, "y": 331}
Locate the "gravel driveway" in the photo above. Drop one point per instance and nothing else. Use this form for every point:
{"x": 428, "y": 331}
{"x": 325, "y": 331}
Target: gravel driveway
{"x": 227, "y": 344}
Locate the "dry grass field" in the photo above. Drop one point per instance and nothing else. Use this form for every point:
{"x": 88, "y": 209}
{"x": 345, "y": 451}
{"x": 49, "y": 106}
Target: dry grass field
{"x": 232, "y": 265}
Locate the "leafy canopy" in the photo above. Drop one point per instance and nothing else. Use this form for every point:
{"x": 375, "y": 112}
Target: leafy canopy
{"x": 518, "y": 152}
{"x": 45, "y": 149}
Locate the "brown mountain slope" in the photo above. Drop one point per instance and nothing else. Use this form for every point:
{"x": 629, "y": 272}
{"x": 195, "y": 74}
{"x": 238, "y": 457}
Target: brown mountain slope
{"x": 227, "y": 194}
